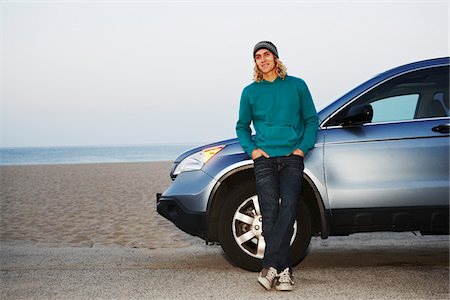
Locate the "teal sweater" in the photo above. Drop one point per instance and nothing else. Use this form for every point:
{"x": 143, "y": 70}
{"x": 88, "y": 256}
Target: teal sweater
{"x": 283, "y": 115}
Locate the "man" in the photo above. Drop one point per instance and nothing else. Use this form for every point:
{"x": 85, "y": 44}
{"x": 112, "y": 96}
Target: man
{"x": 286, "y": 124}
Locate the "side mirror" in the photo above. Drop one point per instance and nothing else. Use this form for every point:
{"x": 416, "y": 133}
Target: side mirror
{"x": 357, "y": 115}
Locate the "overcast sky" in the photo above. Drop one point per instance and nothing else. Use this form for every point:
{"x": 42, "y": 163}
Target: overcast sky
{"x": 125, "y": 73}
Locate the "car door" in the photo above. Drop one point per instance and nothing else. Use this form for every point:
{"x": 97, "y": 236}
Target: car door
{"x": 392, "y": 171}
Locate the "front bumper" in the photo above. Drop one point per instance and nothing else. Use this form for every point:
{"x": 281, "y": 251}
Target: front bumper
{"x": 194, "y": 223}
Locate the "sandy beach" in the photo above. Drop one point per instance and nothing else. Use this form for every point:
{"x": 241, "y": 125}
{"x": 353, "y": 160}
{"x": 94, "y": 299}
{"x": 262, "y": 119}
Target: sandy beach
{"x": 91, "y": 231}
{"x": 83, "y": 205}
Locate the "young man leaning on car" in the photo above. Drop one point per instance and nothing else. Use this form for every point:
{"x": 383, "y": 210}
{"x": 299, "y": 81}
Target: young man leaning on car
{"x": 286, "y": 124}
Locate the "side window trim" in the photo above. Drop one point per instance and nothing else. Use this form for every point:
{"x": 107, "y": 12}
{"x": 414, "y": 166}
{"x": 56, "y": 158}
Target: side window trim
{"x": 394, "y": 122}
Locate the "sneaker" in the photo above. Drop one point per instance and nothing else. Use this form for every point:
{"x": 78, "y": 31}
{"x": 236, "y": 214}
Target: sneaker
{"x": 267, "y": 277}
{"x": 285, "y": 281}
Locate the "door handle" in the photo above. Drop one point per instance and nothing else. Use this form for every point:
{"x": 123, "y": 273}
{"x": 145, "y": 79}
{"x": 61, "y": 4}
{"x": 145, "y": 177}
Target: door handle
{"x": 443, "y": 128}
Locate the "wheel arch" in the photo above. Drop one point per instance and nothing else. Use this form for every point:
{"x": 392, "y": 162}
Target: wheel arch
{"x": 244, "y": 173}
{"x": 217, "y": 197}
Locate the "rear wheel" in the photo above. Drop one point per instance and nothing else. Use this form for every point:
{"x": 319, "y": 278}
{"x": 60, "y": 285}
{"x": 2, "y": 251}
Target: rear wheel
{"x": 240, "y": 230}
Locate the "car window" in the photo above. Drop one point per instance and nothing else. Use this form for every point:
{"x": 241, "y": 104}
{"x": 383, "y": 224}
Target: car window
{"x": 439, "y": 106}
{"x": 415, "y": 95}
{"x": 397, "y": 108}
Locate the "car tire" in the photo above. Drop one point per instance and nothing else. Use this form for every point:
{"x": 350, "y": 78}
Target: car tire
{"x": 238, "y": 223}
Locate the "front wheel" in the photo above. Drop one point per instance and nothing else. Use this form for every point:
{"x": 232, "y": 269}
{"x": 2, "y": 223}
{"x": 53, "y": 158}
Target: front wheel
{"x": 240, "y": 230}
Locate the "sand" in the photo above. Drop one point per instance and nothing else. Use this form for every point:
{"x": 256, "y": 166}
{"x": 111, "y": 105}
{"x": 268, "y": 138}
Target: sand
{"x": 83, "y": 205}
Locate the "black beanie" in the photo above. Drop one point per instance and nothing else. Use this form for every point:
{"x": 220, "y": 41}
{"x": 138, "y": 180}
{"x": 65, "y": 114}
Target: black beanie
{"x": 265, "y": 45}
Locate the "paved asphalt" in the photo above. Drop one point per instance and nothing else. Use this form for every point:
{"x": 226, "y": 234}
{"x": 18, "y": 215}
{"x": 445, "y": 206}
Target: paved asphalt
{"x": 362, "y": 266}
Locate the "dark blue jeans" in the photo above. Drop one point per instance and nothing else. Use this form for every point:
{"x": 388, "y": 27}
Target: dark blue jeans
{"x": 278, "y": 185}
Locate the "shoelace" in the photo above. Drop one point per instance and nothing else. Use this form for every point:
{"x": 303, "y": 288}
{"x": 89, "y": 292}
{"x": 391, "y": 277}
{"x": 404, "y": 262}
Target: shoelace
{"x": 285, "y": 276}
{"x": 271, "y": 274}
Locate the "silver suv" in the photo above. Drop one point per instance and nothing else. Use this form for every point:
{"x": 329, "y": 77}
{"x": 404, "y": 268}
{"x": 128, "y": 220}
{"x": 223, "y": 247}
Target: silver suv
{"x": 380, "y": 163}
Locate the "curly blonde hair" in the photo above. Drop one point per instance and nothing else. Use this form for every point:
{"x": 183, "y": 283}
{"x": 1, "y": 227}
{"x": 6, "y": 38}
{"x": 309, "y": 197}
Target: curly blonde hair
{"x": 281, "y": 71}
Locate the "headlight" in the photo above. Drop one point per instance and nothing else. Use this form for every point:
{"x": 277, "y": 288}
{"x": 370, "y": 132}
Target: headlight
{"x": 197, "y": 160}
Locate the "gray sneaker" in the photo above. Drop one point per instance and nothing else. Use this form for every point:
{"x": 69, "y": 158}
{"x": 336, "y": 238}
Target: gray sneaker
{"x": 267, "y": 277}
{"x": 285, "y": 281}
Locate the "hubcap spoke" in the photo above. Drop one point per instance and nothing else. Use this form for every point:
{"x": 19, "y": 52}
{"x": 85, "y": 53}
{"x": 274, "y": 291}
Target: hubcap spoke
{"x": 261, "y": 247}
{"x": 244, "y": 218}
{"x": 245, "y": 237}
{"x": 256, "y": 206}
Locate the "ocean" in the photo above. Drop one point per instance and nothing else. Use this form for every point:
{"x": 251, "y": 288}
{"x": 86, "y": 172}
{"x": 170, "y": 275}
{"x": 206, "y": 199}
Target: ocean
{"x": 100, "y": 154}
